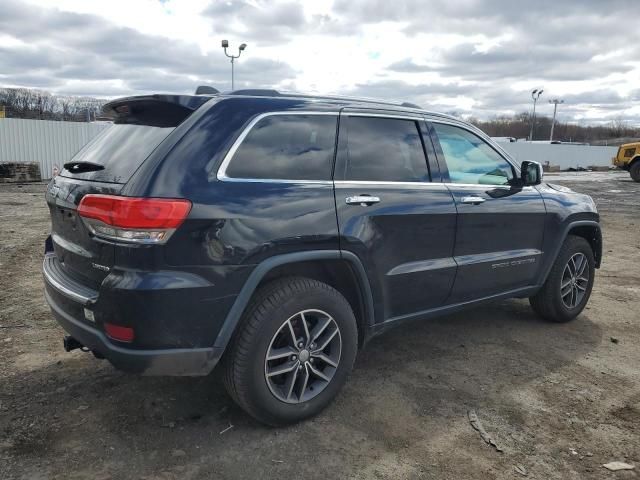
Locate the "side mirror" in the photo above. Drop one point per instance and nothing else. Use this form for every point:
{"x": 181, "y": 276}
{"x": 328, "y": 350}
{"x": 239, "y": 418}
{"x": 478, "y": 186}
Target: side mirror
{"x": 531, "y": 173}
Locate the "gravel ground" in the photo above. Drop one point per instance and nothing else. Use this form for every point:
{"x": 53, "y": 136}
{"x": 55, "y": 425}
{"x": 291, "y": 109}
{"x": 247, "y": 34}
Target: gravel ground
{"x": 559, "y": 400}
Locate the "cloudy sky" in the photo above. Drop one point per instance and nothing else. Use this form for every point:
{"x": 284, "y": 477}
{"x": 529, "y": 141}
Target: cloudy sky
{"x": 471, "y": 57}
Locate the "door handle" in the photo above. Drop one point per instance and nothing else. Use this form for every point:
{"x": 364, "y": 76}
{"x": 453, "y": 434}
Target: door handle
{"x": 473, "y": 200}
{"x": 363, "y": 200}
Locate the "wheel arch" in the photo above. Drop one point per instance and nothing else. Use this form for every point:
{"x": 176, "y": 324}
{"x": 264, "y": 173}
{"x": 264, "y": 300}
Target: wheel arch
{"x": 342, "y": 270}
{"x": 592, "y": 234}
{"x": 587, "y": 229}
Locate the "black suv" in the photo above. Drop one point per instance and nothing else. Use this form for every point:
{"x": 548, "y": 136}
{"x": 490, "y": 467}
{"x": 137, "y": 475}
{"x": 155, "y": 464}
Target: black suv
{"x": 278, "y": 233}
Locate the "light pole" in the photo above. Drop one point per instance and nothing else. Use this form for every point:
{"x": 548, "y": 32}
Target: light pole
{"x": 535, "y": 95}
{"x": 225, "y": 45}
{"x": 555, "y": 102}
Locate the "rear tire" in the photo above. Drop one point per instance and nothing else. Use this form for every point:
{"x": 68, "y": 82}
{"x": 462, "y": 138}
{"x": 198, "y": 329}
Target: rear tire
{"x": 635, "y": 171}
{"x": 284, "y": 329}
{"x": 567, "y": 289}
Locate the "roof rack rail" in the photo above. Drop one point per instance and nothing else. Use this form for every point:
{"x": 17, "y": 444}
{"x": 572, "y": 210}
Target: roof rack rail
{"x": 257, "y": 92}
{"x": 266, "y": 92}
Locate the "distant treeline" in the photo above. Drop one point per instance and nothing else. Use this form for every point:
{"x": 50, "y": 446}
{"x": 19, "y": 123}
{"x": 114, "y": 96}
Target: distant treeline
{"x": 519, "y": 126}
{"x": 38, "y": 104}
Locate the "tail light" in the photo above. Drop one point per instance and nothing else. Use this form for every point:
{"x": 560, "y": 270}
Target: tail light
{"x": 134, "y": 220}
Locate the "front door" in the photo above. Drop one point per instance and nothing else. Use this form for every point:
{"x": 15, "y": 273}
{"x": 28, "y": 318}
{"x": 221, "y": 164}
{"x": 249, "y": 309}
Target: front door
{"x": 500, "y": 229}
{"x": 391, "y": 215}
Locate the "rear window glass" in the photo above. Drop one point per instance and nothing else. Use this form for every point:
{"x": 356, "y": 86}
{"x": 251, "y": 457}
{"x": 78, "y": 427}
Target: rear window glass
{"x": 121, "y": 149}
{"x": 287, "y": 147}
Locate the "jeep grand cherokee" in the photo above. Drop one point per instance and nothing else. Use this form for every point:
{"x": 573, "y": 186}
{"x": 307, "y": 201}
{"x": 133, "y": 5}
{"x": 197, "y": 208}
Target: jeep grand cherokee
{"x": 278, "y": 233}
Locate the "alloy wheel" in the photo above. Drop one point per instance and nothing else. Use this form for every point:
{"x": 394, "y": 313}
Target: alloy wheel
{"x": 303, "y": 356}
{"x": 575, "y": 280}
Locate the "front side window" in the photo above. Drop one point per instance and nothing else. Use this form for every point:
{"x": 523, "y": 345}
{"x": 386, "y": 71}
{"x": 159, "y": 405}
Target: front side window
{"x": 287, "y": 147}
{"x": 470, "y": 159}
{"x": 383, "y": 150}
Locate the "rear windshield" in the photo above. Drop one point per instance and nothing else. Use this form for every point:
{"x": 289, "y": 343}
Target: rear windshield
{"x": 121, "y": 149}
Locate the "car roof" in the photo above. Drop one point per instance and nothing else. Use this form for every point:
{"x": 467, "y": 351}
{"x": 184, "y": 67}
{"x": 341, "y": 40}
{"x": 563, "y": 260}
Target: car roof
{"x": 282, "y": 101}
{"x": 333, "y": 100}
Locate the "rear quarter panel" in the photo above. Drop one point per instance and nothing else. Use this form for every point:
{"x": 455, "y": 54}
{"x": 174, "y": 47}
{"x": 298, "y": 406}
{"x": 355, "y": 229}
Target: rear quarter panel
{"x": 234, "y": 224}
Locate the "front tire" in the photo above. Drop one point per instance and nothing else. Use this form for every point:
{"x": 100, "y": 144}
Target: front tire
{"x": 293, "y": 351}
{"x": 567, "y": 289}
{"x": 635, "y": 171}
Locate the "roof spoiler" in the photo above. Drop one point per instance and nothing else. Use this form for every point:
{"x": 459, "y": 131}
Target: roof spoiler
{"x": 153, "y": 110}
{"x": 206, "y": 90}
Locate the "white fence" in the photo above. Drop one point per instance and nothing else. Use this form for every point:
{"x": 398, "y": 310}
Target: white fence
{"x": 565, "y": 156}
{"x": 46, "y": 142}
{"x": 52, "y": 144}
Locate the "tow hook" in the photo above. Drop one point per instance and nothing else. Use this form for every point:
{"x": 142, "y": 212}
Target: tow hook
{"x": 71, "y": 343}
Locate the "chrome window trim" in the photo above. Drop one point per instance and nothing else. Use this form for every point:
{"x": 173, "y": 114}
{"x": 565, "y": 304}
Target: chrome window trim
{"x": 484, "y": 186}
{"x": 274, "y": 180}
{"x": 222, "y": 171}
{"x": 480, "y": 134}
{"x": 387, "y": 183}
{"x": 391, "y": 116}
{"x": 222, "y": 175}
{"x": 480, "y": 186}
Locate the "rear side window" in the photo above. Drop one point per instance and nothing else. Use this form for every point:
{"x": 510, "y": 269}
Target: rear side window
{"x": 383, "y": 150}
{"x": 287, "y": 147}
{"x": 121, "y": 149}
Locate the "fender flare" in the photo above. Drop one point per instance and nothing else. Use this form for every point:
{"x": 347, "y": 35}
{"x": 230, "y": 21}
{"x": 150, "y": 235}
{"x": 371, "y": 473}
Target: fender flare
{"x": 563, "y": 237}
{"x": 244, "y": 297}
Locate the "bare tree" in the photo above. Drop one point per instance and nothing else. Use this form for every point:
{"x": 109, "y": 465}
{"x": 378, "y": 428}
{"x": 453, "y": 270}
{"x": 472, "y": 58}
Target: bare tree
{"x": 518, "y": 126}
{"x": 29, "y": 103}
{"x": 619, "y": 127}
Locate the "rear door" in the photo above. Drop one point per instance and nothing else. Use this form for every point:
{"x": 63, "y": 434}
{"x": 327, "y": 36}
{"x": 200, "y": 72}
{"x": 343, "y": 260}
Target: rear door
{"x": 104, "y": 166}
{"x": 500, "y": 224}
{"x": 390, "y": 213}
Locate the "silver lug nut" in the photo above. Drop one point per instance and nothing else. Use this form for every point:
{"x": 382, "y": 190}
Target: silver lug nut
{"x": 300, "y": 345}
{"x": 293, "y": 357}
{"x": 299, "y": 367}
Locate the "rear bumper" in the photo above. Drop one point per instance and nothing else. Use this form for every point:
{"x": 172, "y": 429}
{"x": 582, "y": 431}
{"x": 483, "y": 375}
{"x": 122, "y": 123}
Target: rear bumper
{"x": 67, "y": 301}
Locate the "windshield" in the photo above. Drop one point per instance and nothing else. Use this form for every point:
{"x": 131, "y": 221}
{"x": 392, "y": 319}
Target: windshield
{"x": 121, "y": 149}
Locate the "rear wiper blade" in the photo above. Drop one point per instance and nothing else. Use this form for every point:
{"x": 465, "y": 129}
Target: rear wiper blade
{"x": 80, "y": 167}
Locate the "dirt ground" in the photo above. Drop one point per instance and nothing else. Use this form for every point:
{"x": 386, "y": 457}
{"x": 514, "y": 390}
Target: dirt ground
{"x": 559, "y": 400}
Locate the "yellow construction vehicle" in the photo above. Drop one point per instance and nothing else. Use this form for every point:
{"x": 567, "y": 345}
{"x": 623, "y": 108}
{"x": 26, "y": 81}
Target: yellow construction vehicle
{"x": 628, "y": 158}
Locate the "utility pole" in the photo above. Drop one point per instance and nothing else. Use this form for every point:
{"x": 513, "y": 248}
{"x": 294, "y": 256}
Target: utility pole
{"x": 225, "y": 45}
{"x": 535, "y": 95}
{"x": 555, "y": 102}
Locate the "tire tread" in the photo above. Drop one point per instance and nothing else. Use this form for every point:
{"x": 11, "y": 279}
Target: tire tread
{"x": 634, "y": 171}
{"x": 237, "y": 359}
{"x": 544, "y": 302}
